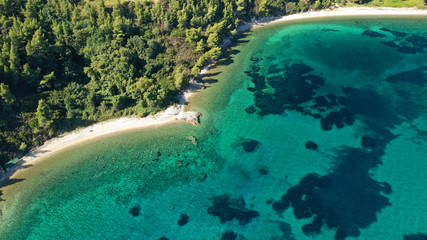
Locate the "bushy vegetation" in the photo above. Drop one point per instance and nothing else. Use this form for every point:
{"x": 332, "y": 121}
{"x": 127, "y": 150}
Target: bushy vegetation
{"x": 70, "y": 63}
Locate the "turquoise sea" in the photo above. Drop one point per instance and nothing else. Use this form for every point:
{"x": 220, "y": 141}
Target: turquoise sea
{"x": 312, "y": 129}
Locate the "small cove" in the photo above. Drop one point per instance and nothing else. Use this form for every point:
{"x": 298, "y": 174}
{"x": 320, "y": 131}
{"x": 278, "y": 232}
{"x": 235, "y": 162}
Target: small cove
{"x": 354, "y": 86}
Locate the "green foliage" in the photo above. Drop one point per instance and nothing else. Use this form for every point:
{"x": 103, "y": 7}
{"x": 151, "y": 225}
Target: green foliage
{"x": 6, "y": 95}
{"x": 66, "y": 63}
{"x": 47, "y": 81}
{"x": 43, "y": 114}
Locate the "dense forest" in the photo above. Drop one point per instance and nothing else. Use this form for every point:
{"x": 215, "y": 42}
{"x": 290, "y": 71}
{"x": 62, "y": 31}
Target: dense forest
{"x": 70, "y": 63}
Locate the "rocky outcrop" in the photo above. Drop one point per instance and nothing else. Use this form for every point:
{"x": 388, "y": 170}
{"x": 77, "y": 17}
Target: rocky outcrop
{"x": 190, "y": 117}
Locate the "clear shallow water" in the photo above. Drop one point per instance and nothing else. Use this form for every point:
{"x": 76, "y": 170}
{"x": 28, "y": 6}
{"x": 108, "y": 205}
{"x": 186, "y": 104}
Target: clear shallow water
{"x": 355, "y": 88}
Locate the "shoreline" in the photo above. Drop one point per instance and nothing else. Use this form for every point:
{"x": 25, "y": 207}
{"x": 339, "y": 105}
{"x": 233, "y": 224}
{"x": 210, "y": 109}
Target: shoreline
{"x": 177, "y": 113}
{"x": 349, "y": 11}
{"x": 335, "y": 12}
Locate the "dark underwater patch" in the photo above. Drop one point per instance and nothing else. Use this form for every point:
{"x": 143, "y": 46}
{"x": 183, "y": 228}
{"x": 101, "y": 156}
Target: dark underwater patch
{"x": 250, "y": 110}
{"x": 286, "y": 230}
{"x": 229, "y": 235}
{"x": 227, "y": 209}
{"x": 329, "y": 30}
{"x": 337, "y": 118}
{"x": 292, "y": 86}
{"x": 373, "y": 34}
{"x": 417, "y": 76}
{"x": 134, "y": 211}
{"x": 347, "y": 199}
{"x": 183, "y": 219}
{"x": 417, "y": 236}
{"x": 250, "y": 145}
{"x": 311, "y": 145}
{"x": 295, "y": 89}
{"x": 368, "y": 142}
{"x": 395, "y": 33}
{"x": 263, "y": 171}
{"x": 411, "y": 44}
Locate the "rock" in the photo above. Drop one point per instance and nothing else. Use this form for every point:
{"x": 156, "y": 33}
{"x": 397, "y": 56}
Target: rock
{"x": 173, "y": 110}
{"x": 163, "y": 238}
{"x": 190, "y": 117}
{"x": 250, "y": 146}
{"x": 183, "y": 219}
{"x": 134, "y": 211}
{"x": 311, "y": 145}
{"x": 227, "y": 209}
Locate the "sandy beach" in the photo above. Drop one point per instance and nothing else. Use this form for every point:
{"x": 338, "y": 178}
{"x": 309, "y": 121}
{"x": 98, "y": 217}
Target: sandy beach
{"x": 178, "y": 113}
{"x": 352, "y": 11}
{"x": 172, "y": 114}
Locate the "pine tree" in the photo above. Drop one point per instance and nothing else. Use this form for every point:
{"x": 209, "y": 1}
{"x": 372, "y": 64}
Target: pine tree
{"x": 43, "y": 114}
{"x": 37, "y": 49}
{"x": 15, "y": 62}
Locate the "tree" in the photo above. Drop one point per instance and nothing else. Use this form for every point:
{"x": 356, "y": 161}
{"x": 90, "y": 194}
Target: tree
{"x": 213, "y": 40}
{"x": 30, "y": 77}
{"x": 47, "y": 81}
{"x": 200, "y": 46}
{"x": 43, "y": 114}
{"x": 14, "y": 60}
{"x": 192, "y": 35}
{"x": 6, "y": 95}
{"x": 37, "y": 49}
{"x": 242, "y": 6}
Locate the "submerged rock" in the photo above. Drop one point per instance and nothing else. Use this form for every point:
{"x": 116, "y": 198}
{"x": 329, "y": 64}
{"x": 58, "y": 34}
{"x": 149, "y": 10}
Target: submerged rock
{"x": 134, "y": 211}
{"x": 183, "y": 219}
{"x": 229, "y": 235}
{"x": 417, "y": 236}
{"x": 311, "y": 145}
{"x": 373, "y": 34}
{"x": 395, "y": 33}
{"x": 249, "y": 146}
{"x": 228, "y": 209}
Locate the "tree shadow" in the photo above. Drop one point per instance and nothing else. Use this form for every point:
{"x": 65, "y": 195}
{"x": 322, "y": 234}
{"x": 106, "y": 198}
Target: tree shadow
{"x": 227, "y": 57}
{"x": 210, "y": 74}
{"x": 210, "y": 80}
{"x": 5, "y": 180}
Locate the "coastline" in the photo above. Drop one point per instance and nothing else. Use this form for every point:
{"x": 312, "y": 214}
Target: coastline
{"x": 346, "y": 11}
{"x": 178, "y": 113}
{"x": 172, "y": 114}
